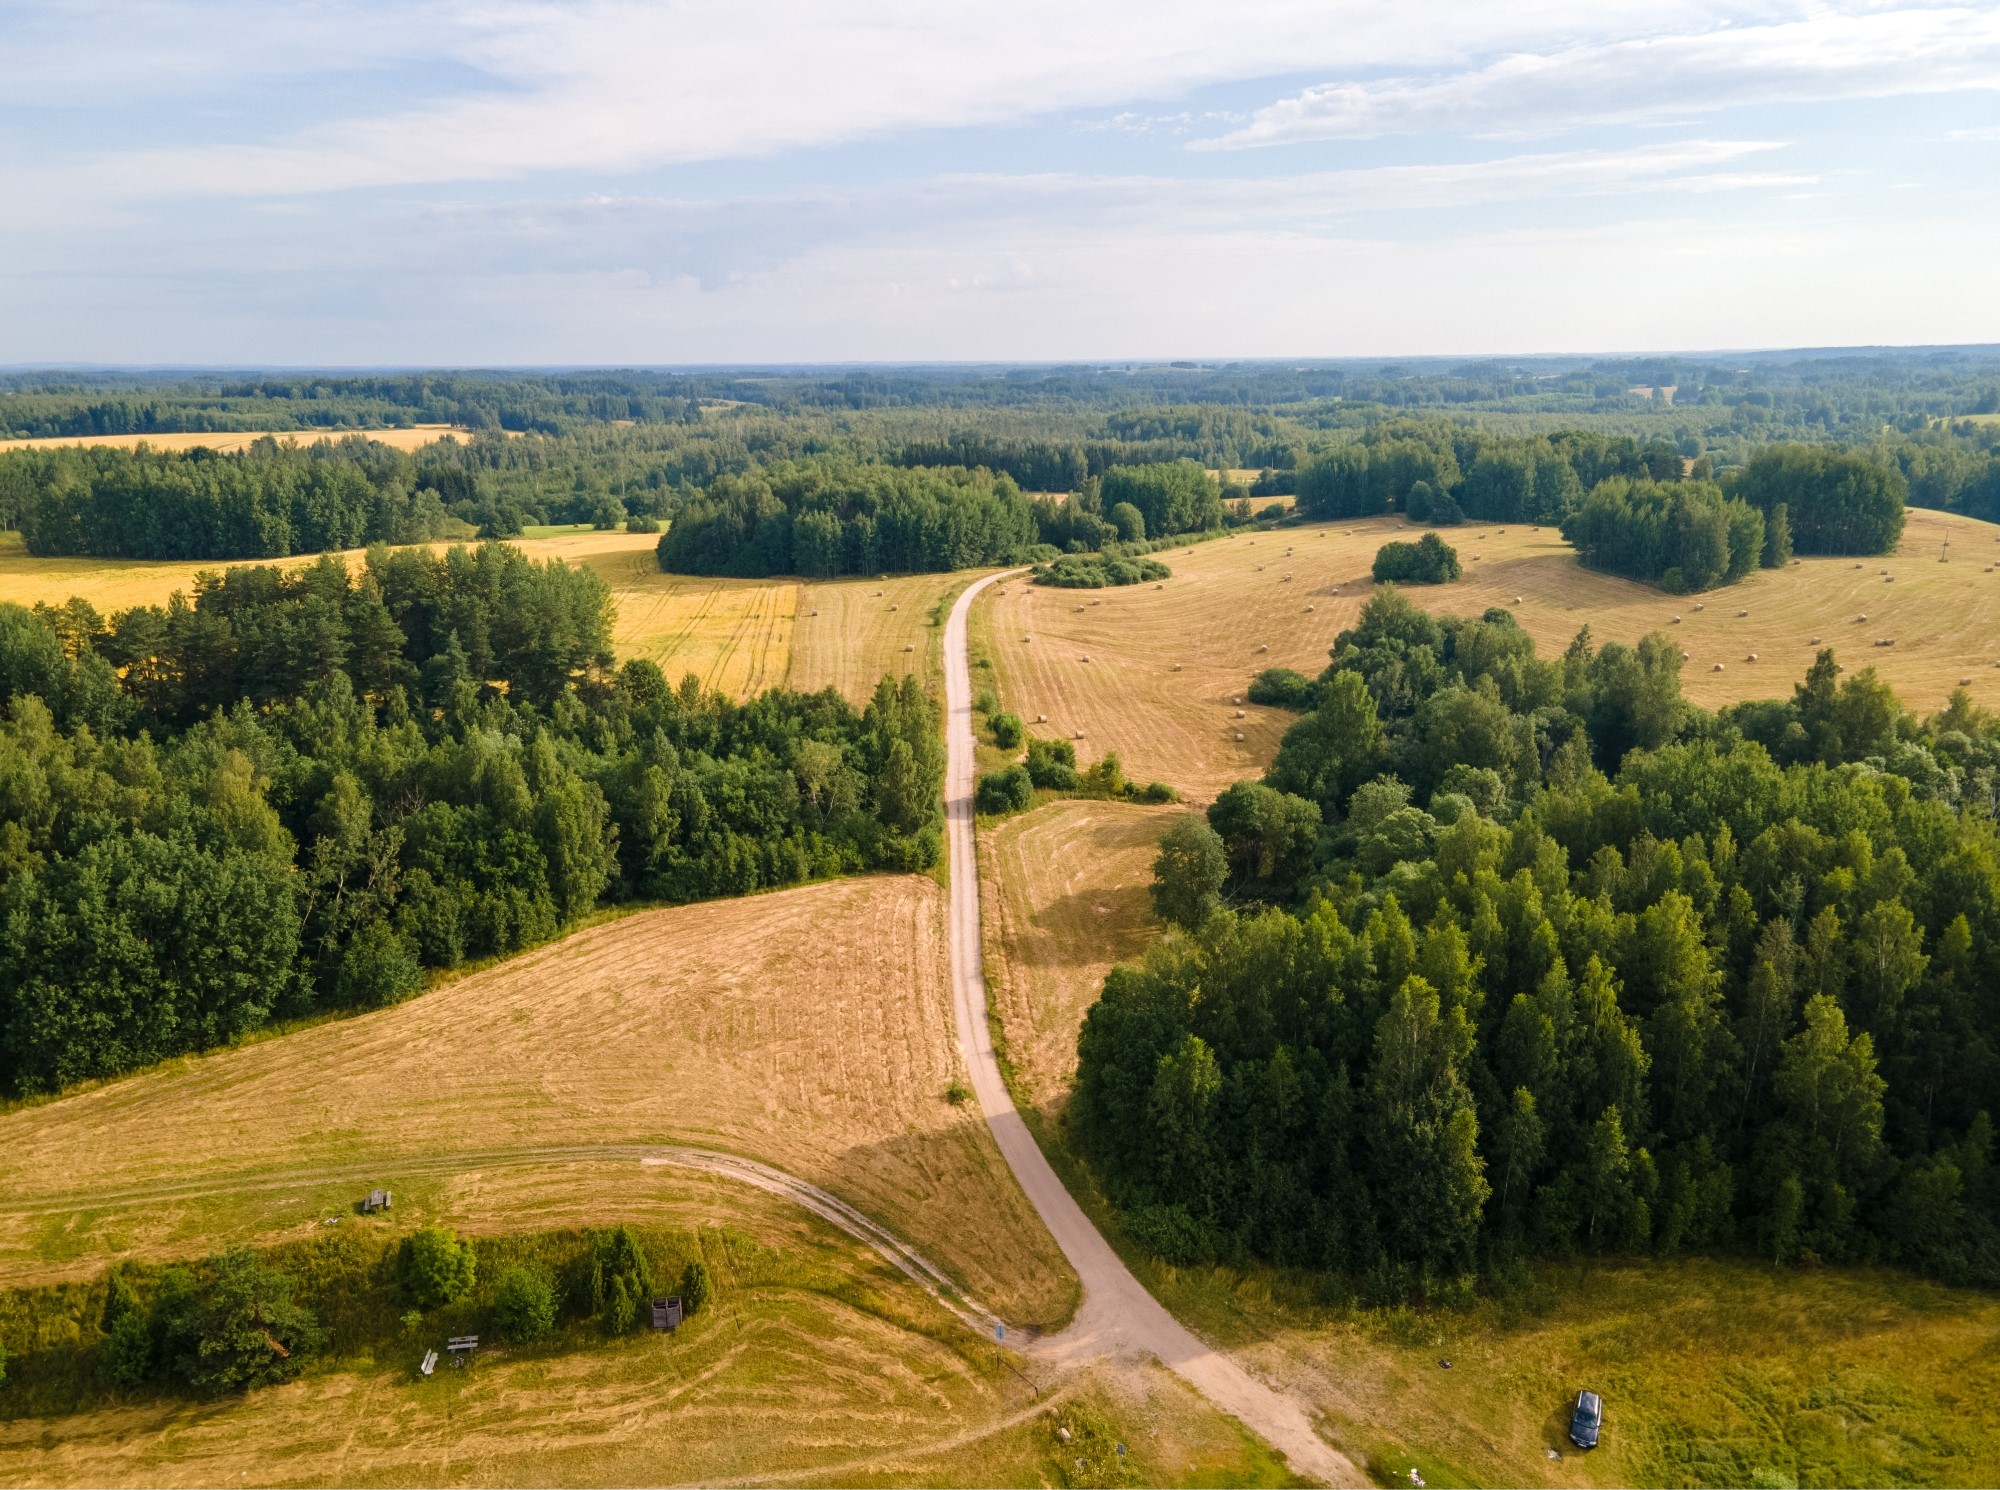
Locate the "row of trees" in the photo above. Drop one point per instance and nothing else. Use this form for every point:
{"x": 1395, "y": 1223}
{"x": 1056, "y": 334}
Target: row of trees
{"x": 270, "y": 501}
{"x": 1512, "y": 955}
{"x": 1831, "y": 500}
{"x": 821, "y": 519}
{"x": 1683, "y": 535}
{"x": 312, "y": 789}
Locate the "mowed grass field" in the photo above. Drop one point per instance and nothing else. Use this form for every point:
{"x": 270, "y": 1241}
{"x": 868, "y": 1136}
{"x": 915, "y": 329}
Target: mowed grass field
{"x": 1065, "y": 892}
{"x": 1104, "y": 661}
{"x": 738, "y": 636}
{"x": 1714, "y": 1372}
{"x": 809, "y": 1028}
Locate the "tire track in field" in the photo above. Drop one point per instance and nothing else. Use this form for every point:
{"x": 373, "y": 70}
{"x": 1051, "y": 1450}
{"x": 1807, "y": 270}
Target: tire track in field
{"x": 766, "y": 1177}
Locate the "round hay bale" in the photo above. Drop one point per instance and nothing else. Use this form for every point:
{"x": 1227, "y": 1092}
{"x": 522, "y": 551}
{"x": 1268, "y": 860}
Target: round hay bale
{"x": 1741, "y": 614}
{"x": 1086, "y": 657}
{"x": 1815, "y": 641}
{"x": 1702, "y": 605}
{"x": 1288, "y": 576}
{"x": 1239, "y": 713}
{"x": 814, "y": 613}
{"x": 1177, "y": 667}
{"x": 1263, "y": 649}
{"x": 909, "y": 647}
{"x": 1041, "y": 719}
{"x": 895, "y": 607}
{"x": 1309, "y": 610}
{"x": 1684, "y": 657}
{"x": 1750, "y": 657}
{"x": 1518, "y": 600}
{"x": 1239, "y": 737}
{"x": 1677, "y": 620}
{"x": 1097, "y": 602}
{"x": 1888, "y": 579}
{"x": 1862, "y": 617}
{"x": 1717, "y": 668}
{"x": 1079, "y": 734}
{"x": 1159, "y": 587}
{"x": 1965, "y": 682}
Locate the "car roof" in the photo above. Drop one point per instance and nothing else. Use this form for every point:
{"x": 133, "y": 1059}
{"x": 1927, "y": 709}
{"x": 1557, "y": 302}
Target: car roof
{"x": 1589, "y": 1399}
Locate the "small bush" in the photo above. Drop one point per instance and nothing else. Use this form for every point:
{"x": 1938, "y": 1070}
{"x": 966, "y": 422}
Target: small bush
{"x": 958, "y": 1093}
{"x": 1007, "y": 730}
{"x": 1002, "y": 792}
{"x": 697, "y": 1288}
{"x": 435, "y": 1267}
{"x": 986, "y": 702}
{"x": 1281, "y": 688}
{"x": 615, "y": 1280}
{"x": 1105, "y": 778}
{"x": 1157, "y": 791}
{"x": 1052, "y": 765}
{"x": 524, "y": 1304}
{"x": 1428, "y": 561}
{"x": 1098, "y": 571}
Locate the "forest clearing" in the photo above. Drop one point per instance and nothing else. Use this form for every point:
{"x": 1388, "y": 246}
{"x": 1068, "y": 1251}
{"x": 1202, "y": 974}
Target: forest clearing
{"x": 1169, "y": 665}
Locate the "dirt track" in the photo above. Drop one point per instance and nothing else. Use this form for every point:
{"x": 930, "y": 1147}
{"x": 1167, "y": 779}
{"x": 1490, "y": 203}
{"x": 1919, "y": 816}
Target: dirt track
{"x": 1118, "y": 1316}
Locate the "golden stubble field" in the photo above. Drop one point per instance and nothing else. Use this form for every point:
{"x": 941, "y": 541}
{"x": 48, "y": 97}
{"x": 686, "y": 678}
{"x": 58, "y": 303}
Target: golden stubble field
{"x": 1065, "y": 891}
{"x": 809, "y": 1028}
{"x": 1155, "y": 673}
{"x": 1714, "y": 1371}
{"x": 410, "y": 438}
{"x": 740, "y": 636}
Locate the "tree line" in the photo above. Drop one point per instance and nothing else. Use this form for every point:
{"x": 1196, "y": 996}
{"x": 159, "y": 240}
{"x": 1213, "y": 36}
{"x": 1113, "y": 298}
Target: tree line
{"x": 1514, "y": 956}
{"x": 302, "y": 791}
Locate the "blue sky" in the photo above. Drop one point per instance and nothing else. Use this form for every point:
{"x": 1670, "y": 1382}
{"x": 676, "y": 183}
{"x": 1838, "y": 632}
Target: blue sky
{"x": 757, "y": 180}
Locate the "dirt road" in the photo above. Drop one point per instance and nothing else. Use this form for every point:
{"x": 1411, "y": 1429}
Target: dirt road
{"x": 1118, "y": 1316}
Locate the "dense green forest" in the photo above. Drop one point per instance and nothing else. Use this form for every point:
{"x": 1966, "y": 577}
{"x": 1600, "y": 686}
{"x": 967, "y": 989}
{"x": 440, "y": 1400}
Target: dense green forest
{"x": 300, "y": 791}
{"x": 1512, "y": 955}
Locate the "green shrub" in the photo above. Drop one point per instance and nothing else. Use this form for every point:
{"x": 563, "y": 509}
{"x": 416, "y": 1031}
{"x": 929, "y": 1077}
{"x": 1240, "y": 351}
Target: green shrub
{"x": 524, "y": 1304}
{"x": 379, "y": 967}
{"x": 435, "y": 1267}
{"x": 235, "y": 1329}
{"x": 1281, "y": 688}
{"x": 616, "y": 1280}
{"x": 1007, "y": 730}
{"x": 697, "y": 1289}
{"x": 1157, "y": 791}
{"x": 1002, "y": 792}
{"x": 1428, "y": 561}
{"x": 1052, "y": 765}
{"x": 1099, "y": 571}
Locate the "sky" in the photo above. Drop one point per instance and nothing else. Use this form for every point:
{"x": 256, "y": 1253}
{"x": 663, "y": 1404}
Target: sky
{"x": 675, "y": 182}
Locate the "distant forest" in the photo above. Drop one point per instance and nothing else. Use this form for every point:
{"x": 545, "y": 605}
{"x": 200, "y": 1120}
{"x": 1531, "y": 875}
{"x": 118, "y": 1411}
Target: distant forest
{"x": 1512, "y": 956}
{"x": 1518, "y": 441}
{"x": 299, "y": 791}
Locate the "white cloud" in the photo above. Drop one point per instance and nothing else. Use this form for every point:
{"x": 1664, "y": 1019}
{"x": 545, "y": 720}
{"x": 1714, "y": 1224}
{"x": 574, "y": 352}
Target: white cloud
{"x": 1826, "y": 57}
{"x": 613, "y": 86}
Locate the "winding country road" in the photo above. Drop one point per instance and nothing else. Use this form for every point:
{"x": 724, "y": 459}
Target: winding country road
{"x": 1117, "y": 1316}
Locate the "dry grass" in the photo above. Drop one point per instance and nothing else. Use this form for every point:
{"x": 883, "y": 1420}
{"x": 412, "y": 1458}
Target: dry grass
{"x": 1066, "y": 893}
{"x": 863, "y": 627}
{"x": 1713, "y": 1373}
{"x": 809, "y": 1028}
{"x": 1228, "y": 598}
{"x": 411, "y": 438}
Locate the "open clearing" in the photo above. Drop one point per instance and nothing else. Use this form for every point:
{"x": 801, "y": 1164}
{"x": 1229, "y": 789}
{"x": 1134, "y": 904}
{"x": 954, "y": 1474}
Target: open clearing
{"x": 808, "y": 1028}
{"x": 408, "y": 438}
{"x": 1230, "y": 597}
{"x": 1714, "y": 1372}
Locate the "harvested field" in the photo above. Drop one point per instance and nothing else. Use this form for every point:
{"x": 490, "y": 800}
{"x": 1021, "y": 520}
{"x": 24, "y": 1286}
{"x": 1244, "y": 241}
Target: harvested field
{"x": 1229, "y": 598}
{"x": 808, "y": 1370}
{"x": 409, "y": 438}
{"x": 1065, "y": 892}
{"x": 808, "y": 1028}
{"x": 863, "y": 627}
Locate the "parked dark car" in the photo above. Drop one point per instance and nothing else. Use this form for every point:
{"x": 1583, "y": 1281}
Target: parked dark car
{"x": 1585, "y": 1422}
